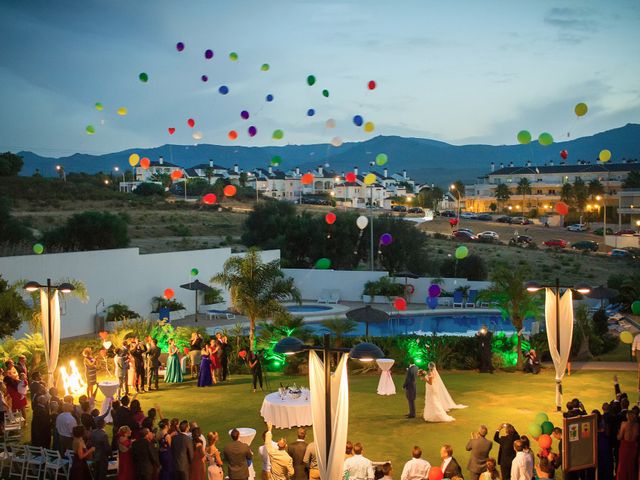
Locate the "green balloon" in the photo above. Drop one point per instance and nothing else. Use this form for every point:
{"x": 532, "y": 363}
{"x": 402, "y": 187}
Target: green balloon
{"x": 276, "y": 160}
{"x": 144, "y": 78}
{"x": 461, "y": 252}
{"x": 194, "y": 272}
{"x": 635, "y": 307}
{"x": 381, "y": 159}
{"x": 524, "y": 137}
{"x": 545, "y": 139}
{"x": 38, "y": 248}
{"x": 90, "y": 130}
{"x": 323, "y": 264}
{"x": 311, "y": 79}
{"x": 264, "y": 67}
{"x": 99, "y": 106}
{"x": 541, "y": 418}
{"x": 547, "y": 427}
{"x": 325, "y": 93}
{"x": 535, "y": 430}
{"x": 233, "y": 56}
{"x": 277, "y": 134}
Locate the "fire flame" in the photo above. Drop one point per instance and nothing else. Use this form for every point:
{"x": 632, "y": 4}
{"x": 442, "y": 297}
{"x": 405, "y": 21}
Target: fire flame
{"x": 73, "y": 383}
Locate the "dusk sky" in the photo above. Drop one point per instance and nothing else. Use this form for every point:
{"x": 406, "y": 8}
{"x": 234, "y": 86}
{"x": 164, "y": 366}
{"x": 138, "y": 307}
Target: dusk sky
{"x": 456, "y": 71}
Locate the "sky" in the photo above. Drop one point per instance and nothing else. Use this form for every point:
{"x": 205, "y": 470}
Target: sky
{"x": 461, "y": 72}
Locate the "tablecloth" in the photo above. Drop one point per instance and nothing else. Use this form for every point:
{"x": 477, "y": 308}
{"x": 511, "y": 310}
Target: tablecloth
{"x": 246, "y": 435}
{"x": 108, "y": 389}
{"x": 287, "y": 413}
{"x": 386, "y": 385}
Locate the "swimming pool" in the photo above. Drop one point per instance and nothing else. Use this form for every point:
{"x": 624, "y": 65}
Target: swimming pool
{"x": 307, "y": 308}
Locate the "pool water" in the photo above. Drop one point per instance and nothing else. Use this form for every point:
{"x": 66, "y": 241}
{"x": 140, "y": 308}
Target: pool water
{"x": 307, "y": 308}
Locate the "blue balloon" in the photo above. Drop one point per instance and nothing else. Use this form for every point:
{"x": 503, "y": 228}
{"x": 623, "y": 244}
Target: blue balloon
{"x": 432, "y": 302}
{"x": 223, "y": 90}
{"x": 269, "y": 98}
{"x": 357, "y": 120}
{"x": 311, "y": 112}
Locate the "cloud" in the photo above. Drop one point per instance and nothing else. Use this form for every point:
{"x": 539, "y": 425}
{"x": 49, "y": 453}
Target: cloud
{"x": 574, "y": 25}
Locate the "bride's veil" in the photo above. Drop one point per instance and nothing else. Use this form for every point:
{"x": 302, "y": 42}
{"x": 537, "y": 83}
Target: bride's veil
{"x": 441, "y": 391}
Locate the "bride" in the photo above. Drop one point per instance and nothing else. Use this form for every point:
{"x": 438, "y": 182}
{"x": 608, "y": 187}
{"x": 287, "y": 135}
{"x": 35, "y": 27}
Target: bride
{"x": 437, "y": 400}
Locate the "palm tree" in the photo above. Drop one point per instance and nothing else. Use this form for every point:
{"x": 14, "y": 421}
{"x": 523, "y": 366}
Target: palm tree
{"x": 595, "y": 188}
{"x": 256, "y": 288}
{"x": 511, "y": 297}
{"x": 208, "y": 172}
{"x": 524, "y": 189}
{"x": 339, "y": 327}
{"x": 566, "y": 194}
{"x": 580, "y": 194}
{"x": 502, "y": 193}
{"x": 13, "y": 309}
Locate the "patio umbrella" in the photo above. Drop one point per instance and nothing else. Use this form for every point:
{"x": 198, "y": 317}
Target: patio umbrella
{"x": 366, "y": 315}
{"x": 602, "y": 293}
{"x": 196, "y": 286}
{"x": 406, "y": 276}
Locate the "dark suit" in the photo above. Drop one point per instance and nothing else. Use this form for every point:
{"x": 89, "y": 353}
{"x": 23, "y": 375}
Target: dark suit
{"x": 182, "y": 452}
{"x": 145, "y": 459}
{"x": 153, "y": 354}
{"x": 479, "y": 448}
{"x": 121, "y": 416}
{"x": 296, "y": 451}
{"x": 409, "y": 386}
{"x": 237, "y": 454}
{"x": 41, "y": 427}
{"x": 100, "y": 440}
{"x": 453, "y": 469}
{"x": 506, "y": 454}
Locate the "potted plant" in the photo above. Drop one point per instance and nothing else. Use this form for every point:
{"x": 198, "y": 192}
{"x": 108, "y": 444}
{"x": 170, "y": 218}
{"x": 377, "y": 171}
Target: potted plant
{"x": 381, "y": 290}
{"x": 212, "y": 299}
{"x": 117, "y": 314}
{"x": 176, "y": 308}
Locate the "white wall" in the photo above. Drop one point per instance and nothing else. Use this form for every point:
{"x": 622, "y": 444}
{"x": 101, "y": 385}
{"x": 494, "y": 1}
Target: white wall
{"x": 119, "y": 276}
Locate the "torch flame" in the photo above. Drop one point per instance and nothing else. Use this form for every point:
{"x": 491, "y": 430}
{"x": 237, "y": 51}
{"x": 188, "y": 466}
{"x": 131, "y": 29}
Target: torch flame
{"x": 73, "y": 383}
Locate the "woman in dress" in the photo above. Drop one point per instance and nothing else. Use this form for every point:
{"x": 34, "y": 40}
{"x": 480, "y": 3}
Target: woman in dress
{"x": 18, "y": 401}
{"x": 197, "y": 470}
{"x": 174, "y": 372}
{"x": 433, "y": 409}
{"x": 628, "y": 451}
{"x": 214, "y": 461}
{"x": 605, "y": 458}
{"x": 90, "y": 364}
{"x": 164, "y": 446}
{"x": 214, "y": 354}
{"x": 125, "y": 462}
{"x": 204, "y": 377}
{"x": 79, "y": 467}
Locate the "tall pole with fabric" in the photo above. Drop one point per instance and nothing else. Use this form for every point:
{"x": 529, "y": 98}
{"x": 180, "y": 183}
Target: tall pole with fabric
{"x": 326, "y": 349}
{"x": 558, "y": 382}
{"x": 50, "y": 332}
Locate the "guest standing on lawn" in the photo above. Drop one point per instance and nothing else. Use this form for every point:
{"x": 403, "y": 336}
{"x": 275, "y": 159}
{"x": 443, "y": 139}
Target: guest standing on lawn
{"x": 204, "y": 377}
{"x": 174, "y": 372}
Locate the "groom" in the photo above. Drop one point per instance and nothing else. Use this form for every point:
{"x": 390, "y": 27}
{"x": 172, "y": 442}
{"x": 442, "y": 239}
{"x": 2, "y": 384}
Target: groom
{"x": 409, "y": 386}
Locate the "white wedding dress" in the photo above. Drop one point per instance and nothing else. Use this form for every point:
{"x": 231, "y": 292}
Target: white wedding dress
{"x": 443, "y": 394}
{"x": 433, "y": 409}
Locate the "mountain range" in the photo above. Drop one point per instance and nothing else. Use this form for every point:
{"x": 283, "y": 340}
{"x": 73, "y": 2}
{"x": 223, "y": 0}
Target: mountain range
{"x": 426, "y": 161}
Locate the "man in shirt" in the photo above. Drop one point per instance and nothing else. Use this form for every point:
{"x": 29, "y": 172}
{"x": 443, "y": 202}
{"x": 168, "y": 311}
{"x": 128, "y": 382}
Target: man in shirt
{"x": 65, "y": 423}
{"x": 417, "y": 468}
{"x": 311, "y": 460}
{"x": 264, "y": 455}
{"x": 358, "y": 467}
{"x": 296, "y": 451}
{"x": 522, "y": 466}
{"x": 281, "y": 461}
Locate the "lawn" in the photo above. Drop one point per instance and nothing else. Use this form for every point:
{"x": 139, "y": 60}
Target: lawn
{"x": 378, "y": 422}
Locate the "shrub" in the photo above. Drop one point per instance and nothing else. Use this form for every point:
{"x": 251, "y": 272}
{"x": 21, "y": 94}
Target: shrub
{"x": 158, "y": 303}
{"x": 119, "y": 312}
{"x": 89, "y": 231}
{"x": 213, "y": 296}
{"x": 383, "y": 287}
{"x": 148, "y": 189}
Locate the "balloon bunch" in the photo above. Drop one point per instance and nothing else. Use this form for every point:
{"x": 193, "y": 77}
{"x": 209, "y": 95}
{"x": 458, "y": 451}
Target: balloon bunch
{"x": 434, "y": 292}
{"x": 540, "y": 429}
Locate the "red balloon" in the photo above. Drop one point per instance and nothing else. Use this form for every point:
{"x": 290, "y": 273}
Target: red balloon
{"x": 330, "y": 218}
{"x": 185, "y": 350}
{"x": 145, "y": 163}
{"x": 103, "y": 335}
{"x": 371, "y": 84}
{"x": 562, "y": 208}
{"x": 176, "y": 174}
{"x": 191, "y": 122}
{"x": 453, "y": 222}
{"x": 229, "y": 190}
{"x": 307, "y": 179}
{"x": 350, "y": 177}
{"x": 209, "y": 199}
{"x": 171, "y": 130}
{"x": 544, "y": 441}
{"x": 564, "y": 154}
{"x": 400, "y": 304}
{"x": 168, "y": 293}
{"x": 435, "y": 473}
{"x": 232, "y": 135}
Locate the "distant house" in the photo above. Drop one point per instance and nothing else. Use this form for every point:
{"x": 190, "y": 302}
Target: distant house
{"x": 156, "y": 167}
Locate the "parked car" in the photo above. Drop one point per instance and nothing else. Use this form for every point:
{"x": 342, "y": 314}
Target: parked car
{"x": 468, "y": 215}
{"x": 521, "y": 221}
{"x": 555, "y": 243}
{"x": 399, "y": 208}
{"x": 586, "y": 245}
{"x": 503, "y": 219}
{"x": 416, "y": 210}
{"x": 625, "y": 232}
{"x": 599, "y": 231}
{"x": 521, "y": 240}
{"x": 464, "y": 236}
{"x": 577, "y": 227}
{"x": 447, "y": 213}
{"x": 619, "y": 253}
{"x": 489, "y": 235}
{"x": 468, "y": 230}
{"x": 484, "y": 216}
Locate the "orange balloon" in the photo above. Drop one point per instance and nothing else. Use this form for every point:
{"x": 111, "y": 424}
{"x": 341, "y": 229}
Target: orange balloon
{"x": 307, "y": 179}
{"x": 168, "y": 293}
{"x": 209, "y": 199}
{"x": 229, "y": 190}
{"x": 232, "y": 135}
{"x": 176, "y": 174}
{"x": 145, "y": 163}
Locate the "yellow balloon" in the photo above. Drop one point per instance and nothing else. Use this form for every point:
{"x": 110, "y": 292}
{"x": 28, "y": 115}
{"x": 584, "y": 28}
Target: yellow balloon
{"x": 369, "y": 127}
{"x": 122, "y": 111}
{"x": 369, "y": 179}
{"x": 626, "y": 337}
{"x": 134, "y": 158}
{"x": 581, "y": 109}
{"x": 605, "y": 156}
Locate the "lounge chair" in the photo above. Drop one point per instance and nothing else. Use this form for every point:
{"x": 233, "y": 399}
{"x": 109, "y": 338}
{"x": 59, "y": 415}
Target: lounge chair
{"x": 334, "y": 296}
{"x": 471, "y": 299}
{"x": 221, "y": 314}
{"x": 457, "y": 299}
{"x": 325, "y": 296}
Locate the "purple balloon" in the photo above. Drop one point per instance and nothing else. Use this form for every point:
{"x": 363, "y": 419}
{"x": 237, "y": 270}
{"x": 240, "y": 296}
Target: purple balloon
{"x": 252, "y": 131}
{"x": 204, "y": 78}
{"x": 386, "y": 239}
{"x": 434, "y": 290}
{"x": 208, "y": 54}
{"x": 432, "y": 302}
{"x": 244, "y": 114}
{"x": 180, "y": 46}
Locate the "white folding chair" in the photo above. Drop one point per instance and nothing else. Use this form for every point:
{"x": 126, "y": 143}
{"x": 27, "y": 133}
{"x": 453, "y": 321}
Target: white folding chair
{"x": 35, "y": 462}
{"x": 13, "y": 429}
{"x": 19, "y": 459}
{"x": 5, "y": 458}
{"x": 55, "y": 464}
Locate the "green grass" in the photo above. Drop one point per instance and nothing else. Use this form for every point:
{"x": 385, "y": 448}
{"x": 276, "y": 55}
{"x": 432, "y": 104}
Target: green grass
{"x": 622, "y": 353}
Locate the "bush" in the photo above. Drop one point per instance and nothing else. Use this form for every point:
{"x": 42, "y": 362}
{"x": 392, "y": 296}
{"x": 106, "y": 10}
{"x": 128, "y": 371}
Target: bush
{"x": 213, "y": 296}
{"x": 472, "y": 267}
{"x": 158, "y": 303}
{"x": 89, "y": 231}
{"x": 119, "y": 312}
{"x": 383, "y": 287}
{"x": 148, "y": 189}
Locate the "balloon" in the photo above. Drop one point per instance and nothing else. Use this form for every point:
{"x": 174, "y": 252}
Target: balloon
{"x": 562, "y": 208}
{"x": 244, "y": 115}
{"x": 252, "y": 131}
{"x": 323, "y": 264}
{"x": 386, "y": 239}
{"x": 194, "y": 272}
{"x": 453, "y": 222}
{"x": 269, "y": 98}
{"x": 369, "y": 179}
{"x": 357, "y": 121}
{"x": 435, "y": 473}
{"x": 99, "y": 106}
{"x": 107, "y": 344}
{"x": 204, "y": 78}
{"x": 103, "y": 335}
{"x": 605, "y": 156}
{"x": 223, "y": 90}
{"x": 461, "y": 252}
{"x": 545, "y": 139}
{"x": 186, "y": 350}
{"x": 535, "y": 430}
{"x": 336, "y": 141}
{"x": 400, "y": 304}
{"x": 38, "y": 248}
{"x": 265, "y": 67}
{"x": 233, "y": 56}
{"x": 232, "y": 135}
{"x": 134, "y": 158}
{"x": 362, "y": 222}
{"x": 564, "y": 154}
{"x": 325, "y": 93}
{"x": 311, "y": 112}
{"x": 209, "y": 199}
{"x": 191, "y": 122}
{"x": 176, "y": 174}
{"x": 197, "y": 135}
{"x": 122, "y": 111}
{"x": 581, "y": 109}
{"x": 90, "y": 130}
{"x": 541, "y": 418}
{"x": 371, "y": 84}
{"x": 180, "y": 46}
{"x": 544, "y": 441}
{"x": 524, "y": 137}
{"x": 277, "y": 134}
{"x": 381, "y": 159}
{"x": 330, "y": 218}
{"x": 331, "y": 123}
{"x": 311, "y": 79}
{"x": 635, "y": 307}
{"x": 432, "y": 302}
{"x": 626, "y": 337}
{"x": 144, "y": 78}
{"x": 547, "y": 427}
{"x": 168, "y": 293}
{"x": 208, "y": 54}
{"x": 229, "y": 190}
{"x": 242, "y": 354}
{"x": 276, "y": 160}
{"x": 434, "y": 290}
{"x": 350, "y": 177}
{"x": 145, "y": 163}
{"x": 369, "y": 127}
{"x": 171, "y": 130}
{"x": 307, "y": 179}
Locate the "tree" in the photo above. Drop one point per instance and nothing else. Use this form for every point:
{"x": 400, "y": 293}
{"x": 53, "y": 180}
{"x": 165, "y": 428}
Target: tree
{"x": 13, "y": 309}
{"x": 10, "y": 164}
{"x": 502, "y": 193}
{"x": 459, "y": 187}
{"x": 148, "y": 189}
{"x": 580, "y": 194}
{"x": 430, "y": 197}
{"x": 267, "y": 224}
{"x": 407, "y": 250}
{"x": 12, "y": 231}
{"x": 566, "y": 193}
{"x": 493, "y": 207}
{"x": 163, "y": 178}
{"x": 511, "y": 296}
{"x": 242, "y": 180}
{"x": 472, "y": 267}
{"x": 524, "y": 189}
{"x": 595, "y": 188}
{"x": 208, "y": 172}
{"x": 79, "y": 291}
{"x": 632, "y": 180}
{"x": 256, "y": 288}
{"x": 89, "y": 231}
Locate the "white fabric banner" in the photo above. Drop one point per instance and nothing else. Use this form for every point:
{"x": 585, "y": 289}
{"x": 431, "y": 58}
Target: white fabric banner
{"x": 51, "y": 346}
{"x": 560, "y": 358}
{"x": 332, "y": 467}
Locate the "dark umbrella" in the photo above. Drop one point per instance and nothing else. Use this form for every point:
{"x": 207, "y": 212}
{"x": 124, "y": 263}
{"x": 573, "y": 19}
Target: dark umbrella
{"x": 602, "y": 293}
{"x": 196, "y": 286}
{"x": 406, "y": 276}
{"x": 367, "y": 315}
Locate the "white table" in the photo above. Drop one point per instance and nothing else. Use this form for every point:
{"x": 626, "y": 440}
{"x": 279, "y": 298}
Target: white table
{"x": 287, "y": 413}
{"x": 108, "y": 388}
{"x": 386, "y": 385}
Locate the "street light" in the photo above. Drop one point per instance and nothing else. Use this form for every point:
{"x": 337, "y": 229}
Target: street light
{"x": 117, "y": 170}
{"x": 365, "y": 352}
{"x": 61, "y": 173}
{"x": 64, "y": 288}
{"x": 582, "y": 288}
{"x": 453, "y": 189}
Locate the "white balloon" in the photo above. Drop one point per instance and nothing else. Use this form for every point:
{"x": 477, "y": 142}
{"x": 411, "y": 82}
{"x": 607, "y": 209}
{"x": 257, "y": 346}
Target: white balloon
{"x": 362, "y": 222}
{"x": 331, "y": 123}
{"x": 107, "y": 344}
{"x": 336, "y": 141}
{"x": 197, "y": 136}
